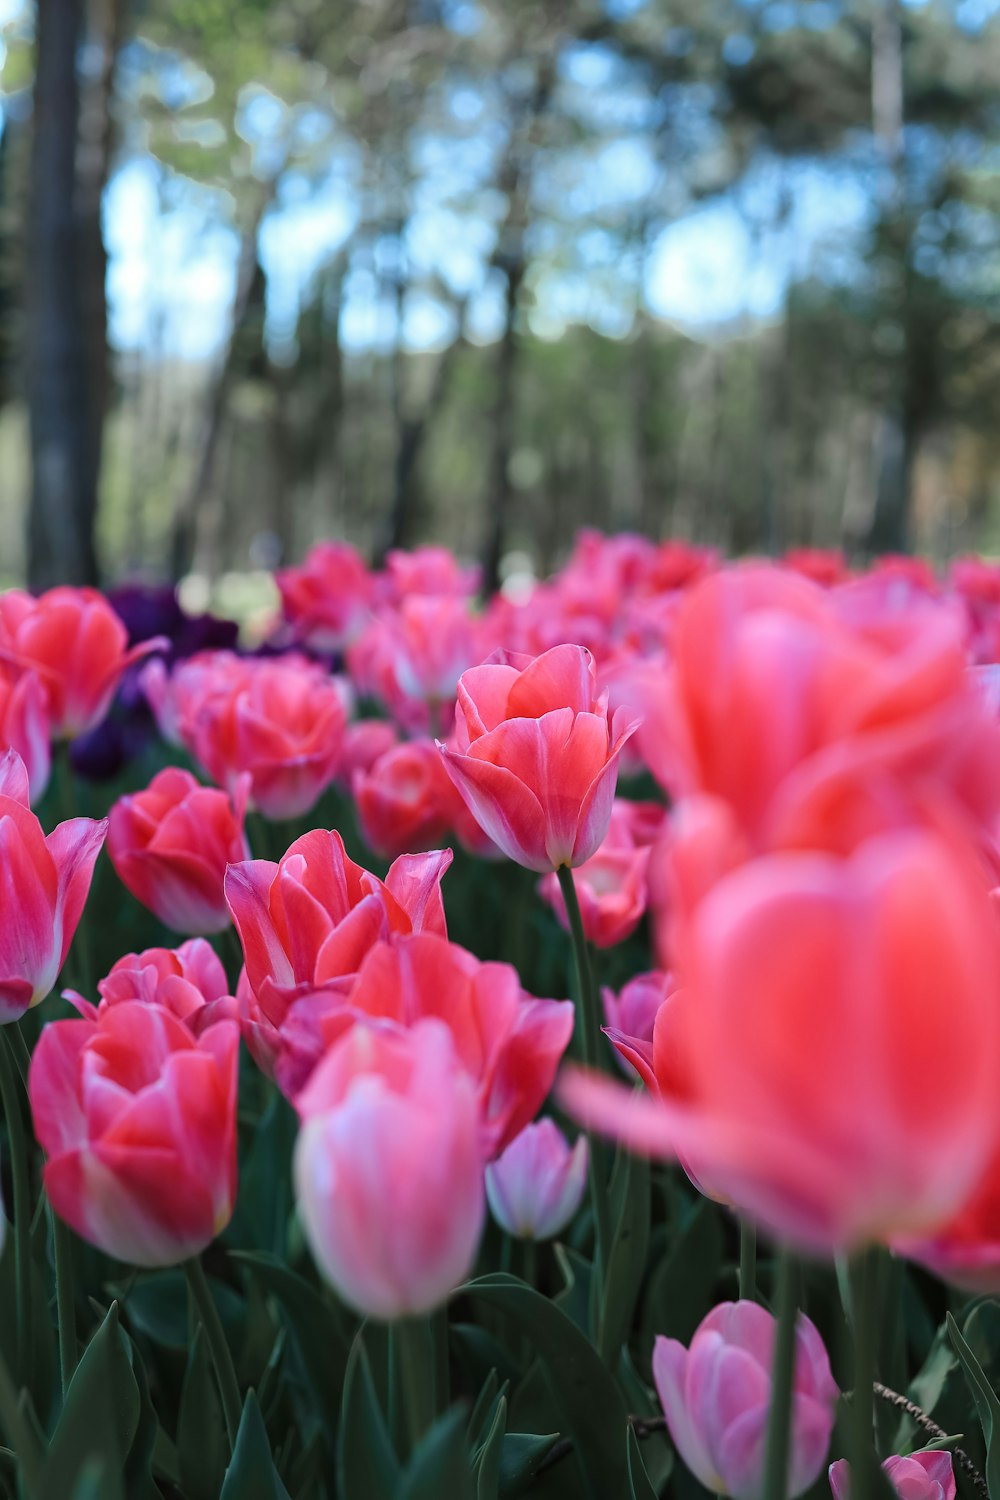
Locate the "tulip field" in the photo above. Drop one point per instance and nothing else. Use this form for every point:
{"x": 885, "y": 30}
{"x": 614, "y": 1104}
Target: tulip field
{"x": 461, "y": 1048}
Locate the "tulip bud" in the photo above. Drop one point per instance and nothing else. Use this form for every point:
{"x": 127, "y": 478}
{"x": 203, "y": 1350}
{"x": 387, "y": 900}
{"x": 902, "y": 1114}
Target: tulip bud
{"x": 388, "y": 1171}
{"x": 170, "y": 846}
{"x": 917, "y": 1476}
{"x": 716, "y": 1397}
{"x": 534, "y": 1188}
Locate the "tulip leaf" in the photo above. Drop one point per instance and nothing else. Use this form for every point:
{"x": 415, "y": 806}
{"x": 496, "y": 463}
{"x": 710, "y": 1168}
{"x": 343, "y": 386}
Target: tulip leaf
{"x": 99, "y": 1420}
{"x": 681, "y": 1291}
{"x": 138, "y": 1474}
{"x": 583, "y": 1389}
{"x": 629, "y": 1251}
{"x": 367, "y": 1467}
{"x": 201, "y": 1441}
{"x": 486, "y": 1462}
{"x": 481, "y": 1416}
{"x": 640, "y": 1486}
{"x": 521, "y": 1457}
{"x": 264, "y": 1205}
{"x": 440, "y": 1466}
{"x": 92, "y": 1484}
{"x": 987, "y": 1406}
{"x": 251, "y": 1475}
{"x": 318, "y": 1331}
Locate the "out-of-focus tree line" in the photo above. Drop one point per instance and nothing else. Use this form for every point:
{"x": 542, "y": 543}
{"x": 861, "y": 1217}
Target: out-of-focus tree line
{"x": 473, "y": 354}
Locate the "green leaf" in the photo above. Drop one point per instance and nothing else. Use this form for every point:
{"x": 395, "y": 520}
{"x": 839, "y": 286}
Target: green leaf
{"x": 201, "y": 1439}
{"x": 251, "y": 1474}
{"x": 367, "y": 1467}
{"x": 486, "y": 1463}
{"x": 987, "y": 1405}
{"x": 639, "y": 1482}
{"x": 318, "y": 1331}
{"x": 629, "y": 1251}
{"x": 682, "y": 1289}
{"x": 157, "y": 1306}
{"x": 264, "y": 1205}
{"x": 91, "y": 1483}
{"x": 99, "y": 1419}
{"x": 481, "y": 1416}
{"x": 521, "y": 1456}
{"x": 138, "y": 1474}
{"x": 582, "y": 1387}
{"x": 440, "y": 1467}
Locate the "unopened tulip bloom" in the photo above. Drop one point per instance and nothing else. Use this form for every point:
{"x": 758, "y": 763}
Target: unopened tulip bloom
{"x": 45, "y": 882}
{"x": 387, "y": 1169}
{"x": 716, "y": 1397}
{"x": 137, "y": 1119}
{"x": 171, "y": 843}
{"x": 282, "y": 724}
{"x": 535, "y": 755}
{"x": 631, "y": 1016}
{"x": 189, "y": 981}
{"x": 914, "y": 1476}
{"x": 536, "y": 1186}
{"x": 508, "y": 1041}
{"x": 77, "y": 645}
{"x": 810, "y": 982}
{"x": 328, "y": 598}
{"x": 405, "y": 802}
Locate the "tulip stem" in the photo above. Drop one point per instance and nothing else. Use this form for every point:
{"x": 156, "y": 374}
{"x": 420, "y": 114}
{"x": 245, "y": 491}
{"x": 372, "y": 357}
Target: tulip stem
{"x": 225, "y": 1370}
{"x": 62, "y": 1249}
{"x": 414, "y": 1362}
{"x": 863, "y": 1274}
{"x": 17, "y": 1138}
{"x": 586, "y": 1034}
{"x": 22, "y": 1056}
{"x": 748, "y": 1261}
{"x": 779, "y": 1422}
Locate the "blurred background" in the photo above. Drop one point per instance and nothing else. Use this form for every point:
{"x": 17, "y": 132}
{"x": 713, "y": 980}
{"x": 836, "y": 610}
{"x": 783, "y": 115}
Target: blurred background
{"x": 485, "y": 271}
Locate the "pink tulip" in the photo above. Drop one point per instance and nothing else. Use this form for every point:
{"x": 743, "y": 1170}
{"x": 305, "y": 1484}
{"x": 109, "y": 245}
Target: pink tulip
{"x": 535, "y": 756}
{"x": 282, "y": 724}
{"x": 45, "y": 883}
{"x": 716, "y": 1397}
{"x": 425, "y": 570}
{"x": 189, "y": 981}
{"x": 631, "y": 1016}
{"x": 611, "y": 884}
{"x": 328, "y": 598}
{"x": 411, "y": 658}
{"x": 405, "y": 802}
{"x": 536, "y": 1186}
{"x": 177, "y": 696}
{"x": 75, "y": 642}
{"x": 507, "y": 1040}
{"x": 171, "y": 843}
{"x": 387, "y": 1168}
{"x": 915, "y": 1476}
{"x": 137, "y": 1118}
{"x": 24, "y": 725}
{"x": 810, "y": 982}
{"x": 363, "y": 744}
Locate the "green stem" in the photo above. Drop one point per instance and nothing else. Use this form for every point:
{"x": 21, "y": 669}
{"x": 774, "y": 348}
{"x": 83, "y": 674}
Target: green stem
{"x": 586, "y": 1034}
{"x": 62, "y": 1247}
{"x": 748, "y": 1261}
{"x": 18, "y": 1430}
{"x": 779, "y": 1422}
{"x": 225, "y": 1370}
{"x": 413, "y": 1361}
{"x": 863, "y": 1272}
{"x": 17, "y": 1136}
{"x": 22, "y": 1056}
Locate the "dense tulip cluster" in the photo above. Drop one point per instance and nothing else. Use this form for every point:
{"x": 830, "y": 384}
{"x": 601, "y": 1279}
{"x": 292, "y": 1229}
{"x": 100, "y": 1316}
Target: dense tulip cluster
{"x": 767, "y": 794}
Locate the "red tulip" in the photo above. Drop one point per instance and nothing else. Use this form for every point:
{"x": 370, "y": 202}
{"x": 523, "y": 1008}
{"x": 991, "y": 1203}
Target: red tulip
{"x": 189, "y": 981}
{"x": 308, "y": 921}
{"x": 77, "y": 645}
{"x": 508, "y": 1041}
{"x": 811, "y": 982}
{"x": 387, "y": 1169}
{"x": 405, "y": 802}
{"x": 171, "y": 843}
{"x": 328, "y": 598}
{"x": 137, "y": 1118}
{"x": 24, "y": 725}
{"x": 282, "y": 723}
{"x": 535, "y": 756}
{"x": 364, "y": 742}
{"x": 425, "y": 570}
{"x": 45, "y": 882}
{"x": 177, "y": 696}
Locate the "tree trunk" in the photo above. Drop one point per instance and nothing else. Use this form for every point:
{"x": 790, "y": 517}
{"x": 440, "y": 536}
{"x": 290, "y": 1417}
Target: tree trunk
{"x": 63, "y": 489}
{"x": 498, "y": 492}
